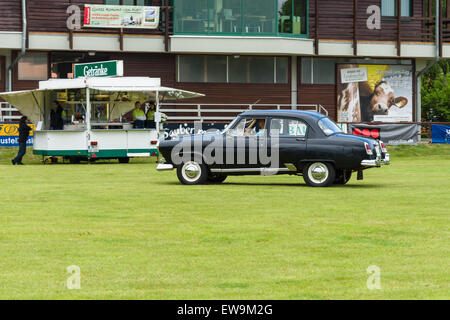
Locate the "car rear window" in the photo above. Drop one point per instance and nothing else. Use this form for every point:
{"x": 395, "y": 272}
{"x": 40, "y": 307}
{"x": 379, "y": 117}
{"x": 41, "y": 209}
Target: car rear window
{"x": 329, "y": 127}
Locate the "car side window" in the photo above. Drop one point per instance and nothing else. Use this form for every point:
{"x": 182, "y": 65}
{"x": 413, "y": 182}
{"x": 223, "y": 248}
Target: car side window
{"x": 249, "y": 127}
{"x": 288, "y": 128}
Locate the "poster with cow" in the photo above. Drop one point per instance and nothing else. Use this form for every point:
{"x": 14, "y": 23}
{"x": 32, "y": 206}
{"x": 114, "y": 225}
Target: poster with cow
{"x": 367, "y": 93}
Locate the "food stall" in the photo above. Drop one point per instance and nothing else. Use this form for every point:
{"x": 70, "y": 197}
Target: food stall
{"x": 95, "y": 122}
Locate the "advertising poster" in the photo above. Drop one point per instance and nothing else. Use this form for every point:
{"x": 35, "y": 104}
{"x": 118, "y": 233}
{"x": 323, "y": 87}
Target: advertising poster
{"x": 111, "y": 16}
{"x": 440, "y": 133}
{"x": 9, "y": 135}
{"x": 390, "y": 134}
{"x": 367, "y": 93}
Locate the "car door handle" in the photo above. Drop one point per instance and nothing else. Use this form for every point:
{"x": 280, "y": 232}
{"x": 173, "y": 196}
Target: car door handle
{"x": 301, "y": 139}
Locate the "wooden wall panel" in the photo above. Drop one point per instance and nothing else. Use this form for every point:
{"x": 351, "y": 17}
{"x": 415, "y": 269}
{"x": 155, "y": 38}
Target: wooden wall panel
{"x": 164, "y": 66}
{"x": 51, "y": 16}
{"x": 324, "y": 95}
{"x": 148, "y": 65}
{"x": 10, "y": 15}
{"x": 336, "y": 22}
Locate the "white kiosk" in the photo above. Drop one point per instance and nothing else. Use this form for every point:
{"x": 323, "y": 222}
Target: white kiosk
{"x": 99, "y": 104}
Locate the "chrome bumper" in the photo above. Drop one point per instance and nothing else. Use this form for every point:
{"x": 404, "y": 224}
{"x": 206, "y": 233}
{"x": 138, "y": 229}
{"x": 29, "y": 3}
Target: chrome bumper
{"x": 387, "y": 160}
{"x": 377, "y": 162}
{"x": 371, "y": 163}
{"x": 164, "y": 167}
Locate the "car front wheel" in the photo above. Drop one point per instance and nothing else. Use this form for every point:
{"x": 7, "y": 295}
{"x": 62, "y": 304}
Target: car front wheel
{"x": 319, "y": 174}
{"x": 192, "y": 173}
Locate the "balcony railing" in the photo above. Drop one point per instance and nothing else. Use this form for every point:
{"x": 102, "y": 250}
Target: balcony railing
{"x": 8, "y": 113}
{"x": 177, "y": 112}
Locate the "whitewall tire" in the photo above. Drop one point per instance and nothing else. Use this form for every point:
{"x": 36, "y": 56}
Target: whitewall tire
{"x": 319, "y": 174}
{"x": 192, "y": 173}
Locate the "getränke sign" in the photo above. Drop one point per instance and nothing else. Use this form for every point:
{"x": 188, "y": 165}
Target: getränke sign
{"x": 112, "y": 68}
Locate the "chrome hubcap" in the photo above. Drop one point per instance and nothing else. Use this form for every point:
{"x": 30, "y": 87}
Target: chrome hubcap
{"x": 191, "y": 171}
{"x": 318, "y": 172}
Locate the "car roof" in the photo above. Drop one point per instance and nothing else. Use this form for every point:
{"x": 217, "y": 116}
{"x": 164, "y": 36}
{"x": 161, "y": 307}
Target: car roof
{"x": 284, "y": 113}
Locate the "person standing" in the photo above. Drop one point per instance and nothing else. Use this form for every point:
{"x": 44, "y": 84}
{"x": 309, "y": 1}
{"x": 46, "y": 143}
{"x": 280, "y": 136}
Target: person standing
{"x": 56, "y": 117}
{"x": 138, "y": 116}
{"x": 150, "y": 122}
{"x": 24, "y": 132}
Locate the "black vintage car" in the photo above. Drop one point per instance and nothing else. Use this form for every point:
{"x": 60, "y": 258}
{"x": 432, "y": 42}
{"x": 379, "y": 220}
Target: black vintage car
{"x": 274, "y": 142}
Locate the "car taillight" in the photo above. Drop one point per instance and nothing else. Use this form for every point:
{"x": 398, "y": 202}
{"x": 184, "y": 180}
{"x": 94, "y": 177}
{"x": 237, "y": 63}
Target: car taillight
{"x": 383, "y": 147}
{"x": 368, "y": 149}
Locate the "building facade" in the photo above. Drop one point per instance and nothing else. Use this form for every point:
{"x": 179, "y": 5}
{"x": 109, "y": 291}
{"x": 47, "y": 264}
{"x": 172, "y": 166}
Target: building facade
{"x": 266, "y": 52}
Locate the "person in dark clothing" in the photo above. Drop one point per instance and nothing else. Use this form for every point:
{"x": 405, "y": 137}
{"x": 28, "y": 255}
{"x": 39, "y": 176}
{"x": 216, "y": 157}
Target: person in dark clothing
{"x": 56, "y": 117}
{"x": 24, "y": 132}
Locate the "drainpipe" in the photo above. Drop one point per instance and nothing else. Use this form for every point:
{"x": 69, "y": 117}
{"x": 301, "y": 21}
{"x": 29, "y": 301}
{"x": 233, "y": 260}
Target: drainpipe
{"x": 429, "y": 66}
{"x": 24, "y": 43}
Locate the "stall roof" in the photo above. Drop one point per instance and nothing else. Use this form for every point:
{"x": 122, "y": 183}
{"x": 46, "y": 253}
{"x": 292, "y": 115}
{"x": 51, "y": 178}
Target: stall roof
{"x": 132, "y": 83}
{"x": 31, "y": 102}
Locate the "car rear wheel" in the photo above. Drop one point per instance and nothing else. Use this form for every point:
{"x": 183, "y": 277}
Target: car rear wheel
{"x": 192, "y": 173}
{"x": 341, "y": 178}
{"x": 216, "y": 178}
{"x": 319, "y": 174}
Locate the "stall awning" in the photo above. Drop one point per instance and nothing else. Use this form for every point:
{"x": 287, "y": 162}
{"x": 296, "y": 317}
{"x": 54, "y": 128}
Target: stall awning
{"x": 31, "y": 102}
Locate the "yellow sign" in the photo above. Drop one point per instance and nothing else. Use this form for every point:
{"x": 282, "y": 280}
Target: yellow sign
{"x": 12, "y": 129}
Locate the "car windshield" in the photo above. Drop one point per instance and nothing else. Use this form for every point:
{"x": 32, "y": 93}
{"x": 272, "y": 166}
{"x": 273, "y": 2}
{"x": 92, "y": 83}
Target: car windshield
{"x": 231, "y": 125}
{"x": 328, "y": 127}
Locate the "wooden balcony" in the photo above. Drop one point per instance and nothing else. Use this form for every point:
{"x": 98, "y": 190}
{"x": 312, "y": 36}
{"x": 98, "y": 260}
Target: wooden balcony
{"x": 348, "y": 21}
{"x": 50, "y": 16}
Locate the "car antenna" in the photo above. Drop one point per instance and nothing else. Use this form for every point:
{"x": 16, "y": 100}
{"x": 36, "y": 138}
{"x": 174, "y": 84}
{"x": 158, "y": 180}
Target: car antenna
{"x": 256, "y": 102}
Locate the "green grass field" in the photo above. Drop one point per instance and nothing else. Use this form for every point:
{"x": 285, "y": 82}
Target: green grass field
{"x": 138, "y": 234}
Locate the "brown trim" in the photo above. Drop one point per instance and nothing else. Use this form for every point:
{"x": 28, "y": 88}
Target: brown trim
{"x": 27, "y": 44}
{"x": 441, "y": 26}
{"x": 399, "y": 17}
{"x": 71, "y": 39}
{"x": 448, "y": 10}
{"x": 355, "y": 36}
{"x": 121, "y": 38}
{"x": 414, "y": 88}
{"x": 166, "y": 25}
{"x": 316, "y": 12}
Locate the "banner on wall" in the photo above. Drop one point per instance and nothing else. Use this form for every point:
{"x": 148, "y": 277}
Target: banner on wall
{"x": 367, "y": 93}
{"x": 440, "y": 133}
{"x": 113, "y": 16}
{"x": 9, "y": 135}
{"x": 390, "y": 134}
{"x": 174, "y": 130}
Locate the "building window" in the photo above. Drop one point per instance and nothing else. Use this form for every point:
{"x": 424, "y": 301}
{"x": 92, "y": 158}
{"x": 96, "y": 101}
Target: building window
{"x": 262, "y": 17}
{"x": 224, "y": 69}
{"x": 318, "y": 71}
{"x": 129, "y": 2}
{"x": 33, "y": 66}
{"x": 293, "y": 16}
{"x": 389, "y": 8}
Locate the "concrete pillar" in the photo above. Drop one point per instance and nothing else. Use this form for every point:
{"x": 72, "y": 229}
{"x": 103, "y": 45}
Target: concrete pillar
{"x": 294, "y": 82}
